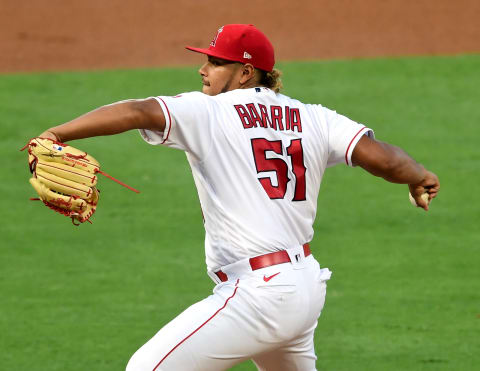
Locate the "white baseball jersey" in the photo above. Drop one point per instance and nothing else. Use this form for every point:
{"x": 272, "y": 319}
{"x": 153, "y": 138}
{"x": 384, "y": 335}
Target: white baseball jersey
{"x": 257, "y": 159}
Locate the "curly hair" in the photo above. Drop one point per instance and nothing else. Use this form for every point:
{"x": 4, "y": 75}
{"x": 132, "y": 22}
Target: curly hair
{"x": 271, "y": 79}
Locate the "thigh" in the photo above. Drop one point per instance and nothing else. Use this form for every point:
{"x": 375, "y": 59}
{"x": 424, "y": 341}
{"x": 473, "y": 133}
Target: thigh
{"x": 207, "y": 336}
{"x": 297, "y": 353}
{"x": 238, "y": 322}
{"x": 299, "y": 356}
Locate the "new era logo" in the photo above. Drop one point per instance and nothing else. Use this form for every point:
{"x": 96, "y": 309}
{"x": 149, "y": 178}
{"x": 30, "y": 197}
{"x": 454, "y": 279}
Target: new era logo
{"x": 246, "y": 55}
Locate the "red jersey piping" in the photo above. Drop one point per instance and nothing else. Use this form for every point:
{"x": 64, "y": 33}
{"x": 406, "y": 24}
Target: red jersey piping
{"x": 169, "y": 120}
{"x": 198, "y": 328}
{"x": 348, "y": 148}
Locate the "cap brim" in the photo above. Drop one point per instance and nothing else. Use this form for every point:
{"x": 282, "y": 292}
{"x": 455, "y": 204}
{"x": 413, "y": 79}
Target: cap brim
{"x": 212, "y": 53}
{"x": 198, "y": 50}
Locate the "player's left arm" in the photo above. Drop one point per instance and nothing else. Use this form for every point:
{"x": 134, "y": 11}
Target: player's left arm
{"x": 395, "y": 165}
{"x": 111, "y": 119}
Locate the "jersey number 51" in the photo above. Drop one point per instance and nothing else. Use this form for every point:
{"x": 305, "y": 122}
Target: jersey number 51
{"x": 260, "y": 148}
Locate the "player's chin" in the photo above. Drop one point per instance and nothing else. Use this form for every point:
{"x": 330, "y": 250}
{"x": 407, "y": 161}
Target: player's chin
{"x": 207, "y": 89}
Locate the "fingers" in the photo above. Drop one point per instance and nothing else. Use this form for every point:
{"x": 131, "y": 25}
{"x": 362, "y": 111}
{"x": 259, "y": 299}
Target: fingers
{"x": 419, "y": 197}
{"x": 433, "y": 186}
{"x": 422, "y": 201}
{"x": 431, "y": 182}
{"x": 431, "y": 194}
{"x": 430, "y": 186}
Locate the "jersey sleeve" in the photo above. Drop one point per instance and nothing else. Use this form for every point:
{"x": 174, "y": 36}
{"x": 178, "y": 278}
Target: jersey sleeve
{"x": 343, "y": 136}
{"x": 187, "y": 124}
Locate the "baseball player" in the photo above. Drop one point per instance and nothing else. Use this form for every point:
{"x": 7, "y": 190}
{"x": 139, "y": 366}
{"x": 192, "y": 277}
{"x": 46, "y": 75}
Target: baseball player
{"x": 257, "y": 158}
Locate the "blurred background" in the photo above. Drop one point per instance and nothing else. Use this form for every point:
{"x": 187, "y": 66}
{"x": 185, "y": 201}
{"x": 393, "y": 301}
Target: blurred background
{"x": 405, "y": 292}
{"x": 64, "y": 35}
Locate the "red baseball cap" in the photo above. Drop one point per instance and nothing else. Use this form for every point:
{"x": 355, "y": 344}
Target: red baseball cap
{"x": 242, "y": 43}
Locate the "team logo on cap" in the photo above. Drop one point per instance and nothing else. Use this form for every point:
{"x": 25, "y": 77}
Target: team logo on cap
{"x": 214, "y": 41}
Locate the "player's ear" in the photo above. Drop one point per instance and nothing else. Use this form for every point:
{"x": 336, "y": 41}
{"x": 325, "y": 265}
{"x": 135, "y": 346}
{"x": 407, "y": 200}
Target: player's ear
{"x": 248, "y": 73}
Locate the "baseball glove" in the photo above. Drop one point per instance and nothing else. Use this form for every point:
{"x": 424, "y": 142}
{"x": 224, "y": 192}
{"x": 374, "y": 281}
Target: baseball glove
{"x": 65, "y": 178}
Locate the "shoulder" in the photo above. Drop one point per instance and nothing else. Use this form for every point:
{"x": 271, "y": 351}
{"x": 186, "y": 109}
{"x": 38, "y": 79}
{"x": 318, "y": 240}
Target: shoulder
{"x": 182, "y": 101}
{"x": 190, "y": 95}
{"x": 298, "y": 103}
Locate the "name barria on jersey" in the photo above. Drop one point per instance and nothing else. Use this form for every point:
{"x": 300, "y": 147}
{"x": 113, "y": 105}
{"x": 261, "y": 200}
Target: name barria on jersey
{"x": 274, "y": 117}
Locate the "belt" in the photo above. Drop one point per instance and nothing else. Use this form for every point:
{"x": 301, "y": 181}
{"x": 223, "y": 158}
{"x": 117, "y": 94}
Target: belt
{"x": 267, "y": 260}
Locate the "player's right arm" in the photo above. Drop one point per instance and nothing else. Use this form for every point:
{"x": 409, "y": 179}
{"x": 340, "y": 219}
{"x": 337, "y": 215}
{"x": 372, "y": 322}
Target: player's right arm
{"x": 396, "y": 166}
{"x": 111, "y": 119}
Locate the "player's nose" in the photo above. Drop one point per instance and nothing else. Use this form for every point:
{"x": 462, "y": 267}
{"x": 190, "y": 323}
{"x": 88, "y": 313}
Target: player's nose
{"x": 203, "y": 70}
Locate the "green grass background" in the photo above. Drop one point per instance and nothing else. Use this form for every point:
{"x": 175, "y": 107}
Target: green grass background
{"x": 406, "y": 284}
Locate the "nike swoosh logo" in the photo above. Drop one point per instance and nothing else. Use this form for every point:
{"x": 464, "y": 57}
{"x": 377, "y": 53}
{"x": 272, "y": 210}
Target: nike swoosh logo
{"x": 266, "y": 279}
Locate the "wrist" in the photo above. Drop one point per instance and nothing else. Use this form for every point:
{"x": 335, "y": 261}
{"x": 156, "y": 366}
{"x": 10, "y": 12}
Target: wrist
{"x": 50, "y": 135}
{"x": 422, "y": 174}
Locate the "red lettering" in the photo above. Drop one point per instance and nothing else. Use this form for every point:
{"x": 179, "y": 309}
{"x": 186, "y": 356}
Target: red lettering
{"x": 295, "y": 119}
{"x": 287, "y": 118}
{"x": 272, "y": 117}
{"x": 260, "y": 147}
{"x": 295, "y": 151}
{"x": 254, "y": 115}
{"x": 265, "y": 118}
{"x": 276, "y": 115}
{"x": 244, "y": 116}
{"x": 74, "y": 162}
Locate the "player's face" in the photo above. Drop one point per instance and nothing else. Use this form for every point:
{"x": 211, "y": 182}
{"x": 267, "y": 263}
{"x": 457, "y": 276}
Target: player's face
{"x": 220, "y": 76}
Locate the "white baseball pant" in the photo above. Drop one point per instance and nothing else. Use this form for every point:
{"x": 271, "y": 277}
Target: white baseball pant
{"x": 268, "y": 315}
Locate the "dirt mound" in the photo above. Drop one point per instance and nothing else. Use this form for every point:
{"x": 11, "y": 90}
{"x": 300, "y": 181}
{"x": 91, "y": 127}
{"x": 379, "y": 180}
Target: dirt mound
{"x": 63, "y": 35}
